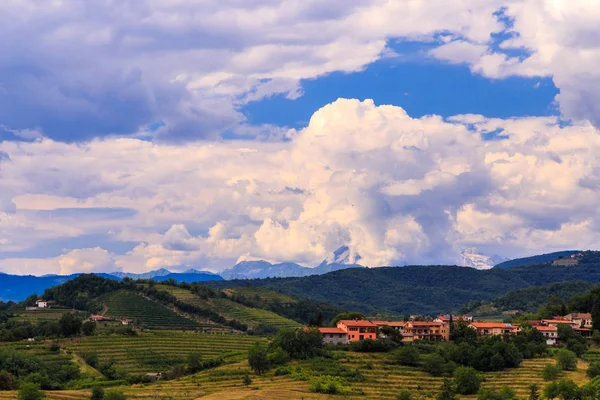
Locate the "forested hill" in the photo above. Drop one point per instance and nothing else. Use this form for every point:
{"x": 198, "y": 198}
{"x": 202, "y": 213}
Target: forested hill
{"x": 536, "y": 260}
{"x": 417, "y": 289}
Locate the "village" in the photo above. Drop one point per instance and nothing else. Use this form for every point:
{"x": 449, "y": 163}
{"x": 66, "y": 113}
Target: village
{"x": 419, "y": 328}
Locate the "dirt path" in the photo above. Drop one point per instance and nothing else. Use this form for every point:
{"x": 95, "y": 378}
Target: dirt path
{"x": 104, "y": 309}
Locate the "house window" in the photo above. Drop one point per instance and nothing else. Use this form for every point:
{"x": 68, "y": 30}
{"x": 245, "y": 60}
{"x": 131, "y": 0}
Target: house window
{"x": 331, "y": 335}
{"x": 362, "y": 337}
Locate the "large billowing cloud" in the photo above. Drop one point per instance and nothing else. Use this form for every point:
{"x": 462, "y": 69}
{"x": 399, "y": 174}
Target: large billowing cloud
{"x": 396, "y": 189}
{"x": 180, "y": 70}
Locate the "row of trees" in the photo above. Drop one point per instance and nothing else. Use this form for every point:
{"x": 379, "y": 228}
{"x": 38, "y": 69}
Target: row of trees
{"x": 70, "y": 324}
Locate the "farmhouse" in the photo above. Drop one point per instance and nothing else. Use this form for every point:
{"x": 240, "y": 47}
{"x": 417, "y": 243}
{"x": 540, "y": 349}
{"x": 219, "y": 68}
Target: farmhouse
{"x": 583, "y": 320}
{"x": 358, "y": 329}
{"x": 41, "y": 303}
{"x": 550, "y": 334}
{"x": 494, "y": 328}
{"x": 333, "y": 335}
{"x": 425, "y": 330}
{"x": 558, "y": 321}
{"x": 446, "y": 318}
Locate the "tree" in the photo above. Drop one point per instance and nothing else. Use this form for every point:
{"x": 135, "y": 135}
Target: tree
{"x": 447, "y": 391}
{"x": 567, "y": 360}
{"x": 551, "y": 391}
{"x": 7, "y": 381}
{"x": 97, "y": 393}
{"x": 247, "y": 381}
{"x": 534, "y": 392}
{"x": 258, "y": 358}
{"x": 408, "y": 355}
{"x": 435, "y": 364}
{"x": 391, "y": 333}
{"x": 593, "y": 370}
{"x": 300, "y": 344}
{"x": 30, "y": 391}
{"x": 568, "y": 390}
{"x": 88, "y": 328}
{"x": 194, "y": 362}
{"x": 467, "y": 380}
{"x": 551, "y": 372}
{"x": 70, "y": 325}
{"x": 347, "y": 315}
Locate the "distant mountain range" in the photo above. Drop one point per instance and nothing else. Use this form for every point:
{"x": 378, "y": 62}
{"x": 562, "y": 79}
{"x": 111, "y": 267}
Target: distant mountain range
{"x": 342, "y": 258}
{"x": 19, "y": 287}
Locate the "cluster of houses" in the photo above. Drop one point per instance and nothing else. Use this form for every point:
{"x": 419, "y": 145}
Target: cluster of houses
{"x": 438, "y": 329}
{"x": 102, "y": 318}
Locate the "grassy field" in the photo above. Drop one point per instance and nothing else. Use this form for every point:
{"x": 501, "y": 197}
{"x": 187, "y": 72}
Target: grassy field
{"x": 160, "y": 350}
{"x": 43, "y": 314}
{"x": 124, "y": 304}
{"x": 233, "y": 310}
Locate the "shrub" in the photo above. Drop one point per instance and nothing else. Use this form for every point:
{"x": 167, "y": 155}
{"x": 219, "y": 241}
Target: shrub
{"x": 404, "y": 395}
{"x": 282, "y": 371}
{"x": 30, "y": 391}
{"x": 467, "y": 380}
{"x": 278, "y": 357}
{"x": 447, "y": 392}
{"x": 505, "y": 393}
{"x": 435, "y": 364}
{"x": 247, "y": 381}
{"x": 114, "y": 396}
{"x": 408, "y": 355}
{"x": 7, "y": 381}
{"x": 567, "y": 360}
{"x": 373, "y": 346}
{"x": 97, "y": 393}
{"x": 593, "y": 370}
{"x": 91, "y": 359}
{"x": 54, "y": 347}
{"x": 551, "y": 372}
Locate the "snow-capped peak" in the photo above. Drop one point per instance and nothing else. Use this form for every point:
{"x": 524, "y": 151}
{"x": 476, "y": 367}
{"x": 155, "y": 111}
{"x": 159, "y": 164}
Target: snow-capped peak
{"x": 343, "y": 255}
{"x": 472, "y": 257}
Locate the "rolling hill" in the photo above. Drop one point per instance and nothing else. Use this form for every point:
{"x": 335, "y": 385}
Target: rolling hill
{"x": 417, "y": 289}
{"x": 535, "y": 260}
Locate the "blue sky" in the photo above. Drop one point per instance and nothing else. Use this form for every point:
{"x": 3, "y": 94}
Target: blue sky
{"x": 149, "y": 135}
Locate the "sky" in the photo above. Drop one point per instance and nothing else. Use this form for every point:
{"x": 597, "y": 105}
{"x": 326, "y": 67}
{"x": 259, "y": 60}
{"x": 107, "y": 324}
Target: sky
{"x": 146, "y": 134}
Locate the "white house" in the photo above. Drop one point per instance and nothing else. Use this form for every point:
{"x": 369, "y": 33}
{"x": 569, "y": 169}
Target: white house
{"x": 550, "y": 334}
{"x": 41, "y": 303}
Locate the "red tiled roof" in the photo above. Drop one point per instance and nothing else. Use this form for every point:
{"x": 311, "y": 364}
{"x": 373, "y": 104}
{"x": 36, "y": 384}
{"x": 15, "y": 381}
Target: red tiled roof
{"x": 547, "y": 328}
{"x": 358, "y": 322}
{"x": 389, "y": 323}
{"x": 558, "y": 321}
{"x": 102, "y": 317}
{"x": 582, "y": 329}
{"x": 492, "y": 325}
{"x": 426, "y": 323}
{"x": 581, "y": 316}
{"x": 332, "y": 330}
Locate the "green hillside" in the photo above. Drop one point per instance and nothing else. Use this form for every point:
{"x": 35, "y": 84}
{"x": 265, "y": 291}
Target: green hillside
{"x": 129, "y": 305}
{"x": 535, "y": 260}
{"x": 417, "y": 289}
{"x": 229, "y": 309}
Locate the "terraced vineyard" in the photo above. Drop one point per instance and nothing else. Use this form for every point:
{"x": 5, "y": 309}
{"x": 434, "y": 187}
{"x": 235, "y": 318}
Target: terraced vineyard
{"x": 39, "y": 349}
{"x": 124, "y": 304}
{"x": 263, "y": 294}
{"x": 158, "y": 351}
{"x": 253, "y": 316}
{"x": 382, "y": 381}
{"x": 233, "y": 310}
{"x": 43, "y": 314}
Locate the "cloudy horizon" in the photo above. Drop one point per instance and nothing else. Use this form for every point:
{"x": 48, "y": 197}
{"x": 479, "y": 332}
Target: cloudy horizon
{"x": 138, "y": 135}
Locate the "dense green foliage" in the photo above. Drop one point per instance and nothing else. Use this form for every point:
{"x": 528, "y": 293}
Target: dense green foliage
{"x": 467, "y": 380}
{"x": 27, "y": 368}
{"x": 529, "y": 299}
{"x": 417, "y": 289}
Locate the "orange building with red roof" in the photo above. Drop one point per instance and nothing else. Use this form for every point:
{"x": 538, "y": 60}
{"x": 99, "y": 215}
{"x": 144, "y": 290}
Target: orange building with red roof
{"x": 358, "y": 329}
{"x": 494, "y": 328}
{"x": 425, "y": 330}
